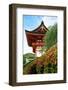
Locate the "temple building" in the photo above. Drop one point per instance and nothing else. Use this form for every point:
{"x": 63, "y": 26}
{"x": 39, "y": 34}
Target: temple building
{"x": 35, "y": 37}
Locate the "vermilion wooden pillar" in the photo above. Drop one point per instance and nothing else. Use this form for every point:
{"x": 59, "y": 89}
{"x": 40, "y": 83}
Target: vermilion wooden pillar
{"x": 36, "y": 44}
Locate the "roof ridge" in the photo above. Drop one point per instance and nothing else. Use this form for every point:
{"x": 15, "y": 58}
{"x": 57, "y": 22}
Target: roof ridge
{"x": 39, "y": 29}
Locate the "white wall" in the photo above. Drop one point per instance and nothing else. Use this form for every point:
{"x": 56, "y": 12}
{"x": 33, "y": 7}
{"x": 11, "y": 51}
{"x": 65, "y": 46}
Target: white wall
{"x": 4, "y": 47}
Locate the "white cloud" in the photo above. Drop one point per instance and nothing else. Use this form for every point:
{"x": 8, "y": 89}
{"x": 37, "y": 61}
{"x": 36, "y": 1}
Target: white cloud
{"x": 48, "y": 20}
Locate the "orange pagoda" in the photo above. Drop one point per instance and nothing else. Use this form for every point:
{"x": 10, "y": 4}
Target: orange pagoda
{"x": 35, "y": 37}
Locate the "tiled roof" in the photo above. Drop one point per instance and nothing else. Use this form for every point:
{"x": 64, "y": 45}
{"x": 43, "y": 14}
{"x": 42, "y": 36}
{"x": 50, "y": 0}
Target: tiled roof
{"x": 42, "y": 29}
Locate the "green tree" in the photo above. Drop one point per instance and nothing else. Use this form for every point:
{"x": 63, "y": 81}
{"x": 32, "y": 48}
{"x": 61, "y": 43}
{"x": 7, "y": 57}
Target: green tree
{"x": 29, "y": 56}
{"x": 51, "y": 37}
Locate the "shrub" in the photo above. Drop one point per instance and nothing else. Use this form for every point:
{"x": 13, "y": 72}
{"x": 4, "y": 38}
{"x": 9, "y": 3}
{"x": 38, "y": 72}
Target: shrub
{"x": 51, "y": 37}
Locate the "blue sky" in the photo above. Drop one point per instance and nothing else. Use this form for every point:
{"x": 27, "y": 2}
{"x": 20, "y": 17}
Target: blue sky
{"x": 31, "y": 22}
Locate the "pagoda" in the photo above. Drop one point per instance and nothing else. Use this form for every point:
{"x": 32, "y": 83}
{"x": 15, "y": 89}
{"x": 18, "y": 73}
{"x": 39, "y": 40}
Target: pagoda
{"x": 35, "y": 37}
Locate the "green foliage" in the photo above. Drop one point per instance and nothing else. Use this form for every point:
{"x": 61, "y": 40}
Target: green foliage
{"x": 50, "y": 68}
{"x": 50, "y": 37}
{"x": 29, "y": 57}
{"x": 47, "y": 63}
{"x": 35, "y": 69}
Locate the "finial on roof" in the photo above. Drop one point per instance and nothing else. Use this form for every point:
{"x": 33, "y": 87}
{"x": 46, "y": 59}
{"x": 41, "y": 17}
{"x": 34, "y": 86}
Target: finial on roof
{"x": 42, "y": 22}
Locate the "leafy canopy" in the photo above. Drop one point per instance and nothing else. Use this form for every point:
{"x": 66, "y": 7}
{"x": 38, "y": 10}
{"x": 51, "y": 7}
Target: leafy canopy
{"x": 51, "y": 37}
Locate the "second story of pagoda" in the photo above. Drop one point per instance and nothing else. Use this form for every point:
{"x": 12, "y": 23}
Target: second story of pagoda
{"x": 35, "y": 37}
